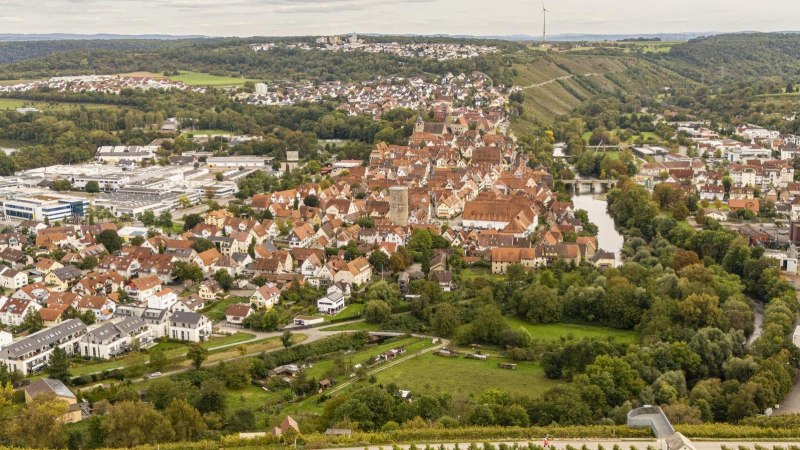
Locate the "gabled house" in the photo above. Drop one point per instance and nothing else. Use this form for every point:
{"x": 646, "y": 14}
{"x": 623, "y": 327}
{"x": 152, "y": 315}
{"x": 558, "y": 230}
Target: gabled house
{"x": 143, "y": 288}
{"x": 237, "y": 312}
{"x": 14, "y": 310}
{"x": 12, "y": 279}
{"x": 266, "y": 296}
{"x": 210, "y": 290}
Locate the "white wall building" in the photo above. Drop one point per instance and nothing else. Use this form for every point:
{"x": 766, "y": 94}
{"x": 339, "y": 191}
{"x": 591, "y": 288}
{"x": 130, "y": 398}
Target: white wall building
{"x": 32, "y": 352}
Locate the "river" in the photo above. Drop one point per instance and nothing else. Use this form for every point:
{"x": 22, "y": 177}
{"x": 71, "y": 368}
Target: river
{"x": 608, "y": 238}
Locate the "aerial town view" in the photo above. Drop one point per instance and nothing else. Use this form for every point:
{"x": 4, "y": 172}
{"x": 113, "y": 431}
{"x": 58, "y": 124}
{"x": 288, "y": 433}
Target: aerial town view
{"x": 465, "y": 225}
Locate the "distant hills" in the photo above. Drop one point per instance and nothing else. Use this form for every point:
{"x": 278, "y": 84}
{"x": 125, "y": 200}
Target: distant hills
{"x": 88, "y": 37}
{"x": 564, "y": 37}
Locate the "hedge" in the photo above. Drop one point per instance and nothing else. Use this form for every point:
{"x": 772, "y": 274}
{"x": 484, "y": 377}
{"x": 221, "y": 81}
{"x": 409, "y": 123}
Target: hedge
{"x": 436, "y": 435}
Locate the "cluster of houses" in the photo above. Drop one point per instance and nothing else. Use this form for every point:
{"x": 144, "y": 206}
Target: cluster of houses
{"x": 385, "y": 93}
{"x": 439, "y": 52}
{"x": 127, "y": 293}
{"x": 740, "y": 174}
{"x": 109, "y": 84}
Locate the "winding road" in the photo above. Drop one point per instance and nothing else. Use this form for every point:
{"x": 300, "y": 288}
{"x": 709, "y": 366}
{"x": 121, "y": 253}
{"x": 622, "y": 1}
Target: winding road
{"x": 565, "y": 77}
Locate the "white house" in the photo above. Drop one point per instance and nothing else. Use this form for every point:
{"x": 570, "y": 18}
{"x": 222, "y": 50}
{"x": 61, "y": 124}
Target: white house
{"x": 12, "y": 279}
{"x": 189, "y": 326}
{"x": 163, "y": 299}
{"x": 266, "y": 296}
{"x": 111, "y": 339}
{"x": 13, "y": 310}
{"x": 32, "y": 352}
{"x": 333, "y": 301}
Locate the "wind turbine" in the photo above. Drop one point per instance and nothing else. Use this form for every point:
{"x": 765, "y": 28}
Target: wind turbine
{"x": 544, "y": 25}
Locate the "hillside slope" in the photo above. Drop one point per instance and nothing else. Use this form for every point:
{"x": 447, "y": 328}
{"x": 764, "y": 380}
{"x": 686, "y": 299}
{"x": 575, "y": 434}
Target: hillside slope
{"x": 555, "y": 85}
{"x": 733, "y": 57}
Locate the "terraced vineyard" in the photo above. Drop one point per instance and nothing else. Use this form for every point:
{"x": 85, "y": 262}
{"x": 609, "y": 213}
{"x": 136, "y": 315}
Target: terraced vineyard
{"x": 555, "y": 85}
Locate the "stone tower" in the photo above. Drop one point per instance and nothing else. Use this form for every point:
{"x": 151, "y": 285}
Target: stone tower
{"x": 419, "y": 125}
{"x": 398, "y": 205}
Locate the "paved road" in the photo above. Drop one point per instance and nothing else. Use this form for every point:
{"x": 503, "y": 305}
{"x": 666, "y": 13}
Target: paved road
{"x": 565, "y": 77}
{"x": 593, "y": 444}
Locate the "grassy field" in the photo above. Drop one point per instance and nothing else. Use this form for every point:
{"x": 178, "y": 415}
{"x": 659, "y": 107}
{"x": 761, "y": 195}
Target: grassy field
{"x": 205, "y": 79}
{"x": 173, "y": 350}
{"x": 11, "y": 103}
{"x": 208, "y": 133}
{"x": 475, "y": 272}
{"x": 321, "y": 368}
{"x": 555, "y": 331}
{"x": 465, "y": 378}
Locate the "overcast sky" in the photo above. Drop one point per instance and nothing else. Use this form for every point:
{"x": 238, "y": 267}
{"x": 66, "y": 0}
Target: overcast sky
{"x": 315, "y": 17}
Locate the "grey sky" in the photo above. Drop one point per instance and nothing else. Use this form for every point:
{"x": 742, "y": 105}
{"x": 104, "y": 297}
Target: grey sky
{"x": 313, "y": 17}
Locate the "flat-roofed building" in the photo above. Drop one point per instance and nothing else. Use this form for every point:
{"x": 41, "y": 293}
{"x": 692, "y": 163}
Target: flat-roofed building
{"x": 108, "y": 182}
{"x": 41, "y": 207}
{"x": 248, "y": 162}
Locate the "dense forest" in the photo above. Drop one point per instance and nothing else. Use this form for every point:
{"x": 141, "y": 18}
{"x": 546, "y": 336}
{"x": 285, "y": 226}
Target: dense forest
{"x": 735, "y": 57}
{"x": 72, "y": 134}
{"x": 17, "y": 51}
{"x": 234, "y": 57}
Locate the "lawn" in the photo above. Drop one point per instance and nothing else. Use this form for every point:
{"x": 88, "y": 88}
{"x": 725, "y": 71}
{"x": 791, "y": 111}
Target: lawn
{"x": 352, "y": 311}
{"x": 11, "y": 103}
{"x": 205, "y": 79}
{"x": 471, "y": 273}
{"x": 321, "y": 368}
{"x": 173, "y": 350}
{"x": 217, "y": 310}
{"x": 353, "y": 326}
{"x": 465, "y": 378}
{"x": 555, "y": 331}
{"x": 208, "y": 133}
{"x": 14, "y": 103}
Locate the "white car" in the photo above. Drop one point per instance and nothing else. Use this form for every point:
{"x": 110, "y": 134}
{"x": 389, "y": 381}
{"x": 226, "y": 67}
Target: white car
{"x": 154, "y": 375}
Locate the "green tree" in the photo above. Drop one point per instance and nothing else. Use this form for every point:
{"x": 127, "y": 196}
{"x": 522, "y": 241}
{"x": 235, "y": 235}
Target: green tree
{"x": 616, "y": 378}
{"x": 379, "y": 260}
{"x": 158, "y": 359}
{"x": 62, "y": 185}
{"x": 311, "y": 200}
{"x": 197, "y": 354}
{"x": 58, "y": 365}
{"x": 165, "y": 220}
{"x": 287, "y": 339}
{"x": 92, "y": 187}
{"x": 134, "y": 423}
{"x": 445, "y": 319}
{"x": 191, "y": 220}
{"x": 185, "y": 420}
{"x": 224, "y": 279}
{"x": 38, "y": 425}
{"x": 148, "y": 218}
{"x": 33, "y": 321}
{"x": 110, "y": 240}
{"x": 377, "y": 311}
{"x": 211, "y": 397}
{"x": 186, "y": 271}
{"x": 200, "y": 245}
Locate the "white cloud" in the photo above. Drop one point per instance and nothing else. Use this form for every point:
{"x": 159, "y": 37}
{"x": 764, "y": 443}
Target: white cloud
{"x": 476, "y": 17}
